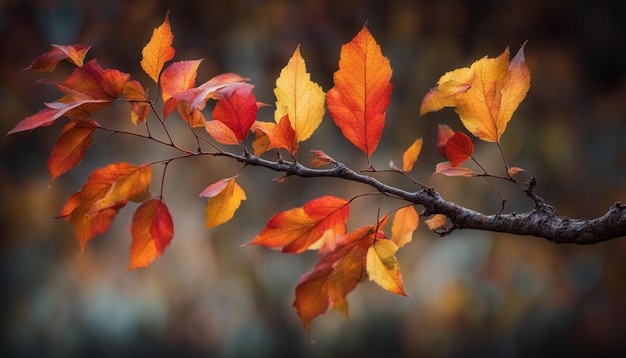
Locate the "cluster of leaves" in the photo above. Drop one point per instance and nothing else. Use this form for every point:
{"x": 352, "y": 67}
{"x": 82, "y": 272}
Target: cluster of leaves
{"x": 484, "y": 95}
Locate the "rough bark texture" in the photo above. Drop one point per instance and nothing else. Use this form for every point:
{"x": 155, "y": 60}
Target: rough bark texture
{"x": 542, "y": 221}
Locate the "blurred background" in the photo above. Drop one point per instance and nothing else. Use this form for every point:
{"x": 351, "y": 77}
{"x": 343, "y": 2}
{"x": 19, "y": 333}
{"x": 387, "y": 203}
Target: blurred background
{"x": 472, "y": 293}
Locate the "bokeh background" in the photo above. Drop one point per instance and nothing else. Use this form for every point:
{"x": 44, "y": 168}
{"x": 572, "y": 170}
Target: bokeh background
{"x": 472, "y": 293}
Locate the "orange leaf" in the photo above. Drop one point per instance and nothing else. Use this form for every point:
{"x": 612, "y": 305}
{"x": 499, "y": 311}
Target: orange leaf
{"x": 225, "y": 196}
{"x": 404, "y": 223}
{"x": 295, "y": 230}
{"x": 444, "y": 133}
{"x": 411, "y": 154}
{"x": 333, "y": 278}
{"x": 359, "y": 100}
{"x": 449, "y": 86}
{"x": 221, "y": 133}
{"x": 437, "y": 221}
{"x": 321, "y": 158}
{"x": 138, "y": 99}
{"x": 49, "y": 60}
{"x": 237, "y": 108}
{"x": 459, "y": 148}
{"x": 159, "y": 50}
{"x": 152, "y": 230}
{"x": 383, "y": 267}
{"x": 514, "y": 170}
{"x": 107, "y": 190}
{"x": 299, "y": 97}
{"x": 196, "y": 97}
{"x": 447, "y": 169}
{"x": 176, "y": 78}
{"x": 71, "y": 146}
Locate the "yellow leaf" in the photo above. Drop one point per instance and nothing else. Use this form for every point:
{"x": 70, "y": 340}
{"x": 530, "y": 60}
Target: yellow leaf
{"x": 299, "y": 97}
{"x": 448, "y": 87}
{"x": 158, "y": 50}
{"x": 225, "y": 196}
{"x": 411, "y": 154}
{"x": 382, "y": 266}
{"x": 404, "y": 223}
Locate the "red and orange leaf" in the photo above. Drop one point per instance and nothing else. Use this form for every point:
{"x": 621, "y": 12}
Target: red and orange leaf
{"x": 225, "y": 197}
{"x": 295, "y": 230}
{"x": 196, "y": 97}
{"x": 113, "y": 82}
{"x": 404, "y": 223}
{"x": 459, "y": 148}
{"x": 358, "y": 101}
{"x": 299, "y": 98}
{"x": 139, "y": 102}
{"x": 177, "y": 78}
{"x": 158, "y": 51}
{"x": 447, "y": 169}
{"x": 49, "y": 60}
{"x": 321, "y": 158}
{"x": 449, "y": 86}
{"x": 221, "y": 133}
{"x": 437, "y": 221}
{"x": 193, "y": 117}
{"x": 152, "y": 230}
{"x": 283, "y": 136}
{"x": 71, "y": 146}
{"x": 47, "y": 116}
{"x": 262, "y": 131}
{"x": 444, "y": 133}
{"x": 382, "y": 266}
{"x": 333, "y": 278}
{"x": 514, "y": 170}
{"x": 107, "y": 190}
{"x": 411, "y": 154}
{"x": 236, "y": 107}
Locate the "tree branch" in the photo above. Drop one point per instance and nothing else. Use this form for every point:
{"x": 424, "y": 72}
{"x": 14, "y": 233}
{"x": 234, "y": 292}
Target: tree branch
{"x": 543, "y": 221}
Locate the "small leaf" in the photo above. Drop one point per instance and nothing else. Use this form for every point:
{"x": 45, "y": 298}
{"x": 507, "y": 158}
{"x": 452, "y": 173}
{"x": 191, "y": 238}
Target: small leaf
{"x": 138, "y": 99}
{"x": 48, "y": 115}
{"x": 404, "y": 223}
{"x": 177, "y": 78}
{"x": 411, "y": 154}
{"x": 225, "y": 197}
{"x": 514, "y": 170}
{"x": 459, "y": 148}
{"x": 197, "y": 97}
{"x": 321, "y": 159}
{"x": 358, "y": 101}
{"x": 152, "y": 230}
{"x": 449, "y": 86}
{"x": 158, "y": 51}
{"x": 49, "y": 60}
{"x": 447, "y": 169}
{"x": 299, "y": 97}
{"x": 444, "y": 133}
{"x": 221, "y": 133}
{"x": 383, "y": 267}
{"x": 71, "y": 146}
{"x": 436, "y": 222}
{"x": 237, "y": 108}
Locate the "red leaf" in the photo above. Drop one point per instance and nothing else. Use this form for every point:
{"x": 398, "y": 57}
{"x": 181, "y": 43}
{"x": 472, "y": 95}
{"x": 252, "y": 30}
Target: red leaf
{"x": 459, "y": 148}
{"x": 444, "y": 132}
{"x": 71, "y": 146}
{"x": 152, "y": 230}
{"x": 49, "y": 60}
{"x": 236, "y": 107}
{"x": 47, "y": 116}
{"x": 359, "y": 100}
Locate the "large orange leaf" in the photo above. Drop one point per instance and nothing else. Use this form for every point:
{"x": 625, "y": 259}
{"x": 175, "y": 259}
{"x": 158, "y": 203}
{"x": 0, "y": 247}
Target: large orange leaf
{"x": 334, "y": 277}
{"x": 225, "y": 197}
{"x": 382, "y": 266}
{"x": 358, "y": 101}
{"x": 159, "y": 50}
{"x": 485, "y": 95}
{"x": 49, "y": 60}
{"x": 71, "y": 146}
{"x": 404, "y": 223}
{"x": 299, "y": 97}
{"x": 295, "y": 230}
{"x": 107, "y": 190}
{"x": 236, "y": 107}
{"x": 152, "y": 230}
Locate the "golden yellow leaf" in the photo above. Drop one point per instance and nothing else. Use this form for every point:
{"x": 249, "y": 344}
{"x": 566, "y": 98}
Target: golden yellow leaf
{"x": 382, "y": 266}
{"x": 225, "y": 196}
{"x": 411, "y": 154}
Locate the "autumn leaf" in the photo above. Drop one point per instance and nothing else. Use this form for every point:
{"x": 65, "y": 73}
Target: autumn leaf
{"x": 49, "y": 60}
{"x": 158, "y": 51}
{"x": 411, "y": 154}
{"x": 299, "y": 98}
{"x": 295, "y": 230}
{"x": 138, "y": 100}
{"x": 107, "y": 190}
{"x": 444, "y": 133}
{"x": 447, "y": 169}
{"x": 236, "y": 107}
{"x": 334, "y": 277}
{"x": 152, "y": 230}
{"x": 404, "y": 223}
{"x": 177, "y": 78}
{"x": 221, "y": 133}
{"x": 197, "y": 96}
{"x": 71, "y": 146}
{"x": 436, "y": 222}
{"x": 382, "y": 266}
{"x": 496, "y": 88}
{"x": 459, "y": 148}
{"x": 320, "y": 158}
{"x": 358, "y": 101}
{"x": 514, "y": 170}
{"x": 48, "y": 115}
{"x": 225, "y": 196}
{"x": 270, "y": 135}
